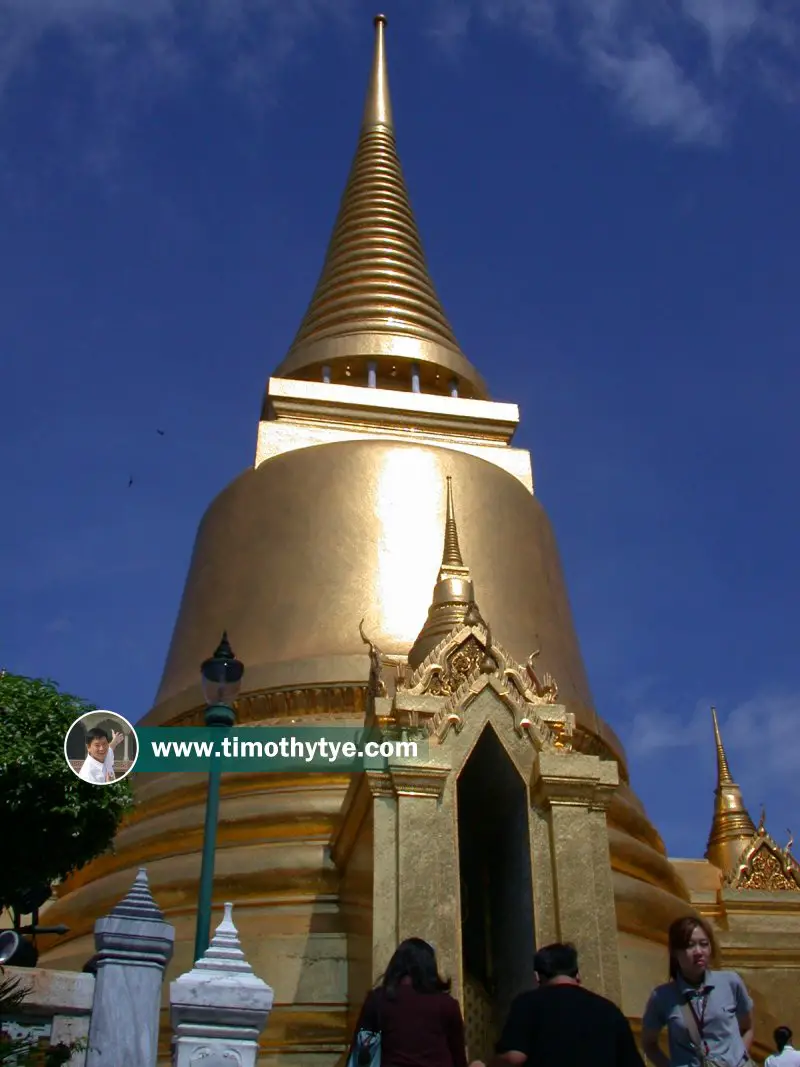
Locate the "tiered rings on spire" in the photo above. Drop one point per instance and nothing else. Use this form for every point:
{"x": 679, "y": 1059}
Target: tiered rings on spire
{"x": 375, "y": 304}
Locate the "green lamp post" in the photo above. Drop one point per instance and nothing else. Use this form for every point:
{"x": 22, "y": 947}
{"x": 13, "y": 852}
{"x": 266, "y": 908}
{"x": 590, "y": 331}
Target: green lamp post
{"x": 222, "y": 676}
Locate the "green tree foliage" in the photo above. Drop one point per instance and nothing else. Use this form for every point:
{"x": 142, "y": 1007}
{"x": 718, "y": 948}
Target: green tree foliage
{"x": 51, "y": 823}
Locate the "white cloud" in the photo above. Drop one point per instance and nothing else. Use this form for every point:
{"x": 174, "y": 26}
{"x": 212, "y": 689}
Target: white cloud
{"x": 655, "y": 92}
{"x": 126, "y": 45}
{"x": 655, "y": 729}
{"x": 675, "y": 66}
{"x": 765, "y": 731}
{"x": 761, "y": 736}
{"x": 449, "y": 25}
{"x": 106, "y": 63}
{"x": 725, "y": 23}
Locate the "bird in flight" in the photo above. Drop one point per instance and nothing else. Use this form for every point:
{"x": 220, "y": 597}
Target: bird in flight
{"x": 160, "y": 433}
{"x": 130, "y": 481}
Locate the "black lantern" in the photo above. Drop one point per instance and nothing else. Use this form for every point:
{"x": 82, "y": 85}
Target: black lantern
{"x": 222, "y": 675}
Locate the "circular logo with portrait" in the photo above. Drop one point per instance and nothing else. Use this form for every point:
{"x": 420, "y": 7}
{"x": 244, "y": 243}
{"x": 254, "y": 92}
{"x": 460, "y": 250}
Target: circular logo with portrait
{"x": 101, "y": 747}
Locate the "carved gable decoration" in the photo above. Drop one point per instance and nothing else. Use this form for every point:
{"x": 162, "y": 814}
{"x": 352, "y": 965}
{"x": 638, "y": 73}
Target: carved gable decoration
{"x": 766, "y": 866}
{"x": 462, "y": 665}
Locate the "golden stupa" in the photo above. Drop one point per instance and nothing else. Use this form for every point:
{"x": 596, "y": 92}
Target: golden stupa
{"x": 386, "y": 558}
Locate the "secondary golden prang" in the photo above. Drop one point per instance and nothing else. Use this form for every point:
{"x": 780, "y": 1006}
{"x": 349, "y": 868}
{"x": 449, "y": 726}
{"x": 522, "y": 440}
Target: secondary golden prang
{"x": 386, "y": 559}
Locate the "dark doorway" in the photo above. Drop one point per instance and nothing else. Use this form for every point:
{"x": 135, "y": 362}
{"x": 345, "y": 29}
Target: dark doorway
{"x": 497, "y": 931}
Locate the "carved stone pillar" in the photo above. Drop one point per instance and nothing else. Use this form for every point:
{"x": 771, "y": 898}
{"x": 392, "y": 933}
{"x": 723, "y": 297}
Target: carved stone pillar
{"x": 427, "y": 857}
{"x": 134, "y": 945}
{"x": 404, "y": 827}
{"x": 574, "y": 790}
{"x": 219, "y": 1008}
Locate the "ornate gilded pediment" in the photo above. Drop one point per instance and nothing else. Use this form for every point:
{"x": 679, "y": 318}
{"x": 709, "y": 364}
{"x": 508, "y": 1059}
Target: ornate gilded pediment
{"x": 469, "y": 650}
{"x": 766, "y": 866}
{"x": 461, "y": 666}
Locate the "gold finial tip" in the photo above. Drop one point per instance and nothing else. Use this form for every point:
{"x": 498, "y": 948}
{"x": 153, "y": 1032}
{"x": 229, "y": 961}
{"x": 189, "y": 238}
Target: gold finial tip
{"x": 378, "y": 106}
{"x": 451, "y": 557}
{"x": 724, "y": 777}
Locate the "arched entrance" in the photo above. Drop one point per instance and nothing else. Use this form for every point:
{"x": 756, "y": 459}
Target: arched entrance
{"x": 497, "y": 916}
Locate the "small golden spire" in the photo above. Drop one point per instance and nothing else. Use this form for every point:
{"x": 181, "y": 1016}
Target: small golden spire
{"x": 375, "y": 301}
{"x": 453, "y": 594}
{"x": 732, "y": 828}
{"x": 452, "y": 563}
{"x": 723, "y": 770}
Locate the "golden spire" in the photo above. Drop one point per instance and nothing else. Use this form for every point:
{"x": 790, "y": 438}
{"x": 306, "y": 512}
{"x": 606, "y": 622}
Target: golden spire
{"x": 375, "y": 301}
{"x": 452, "y": 563}
{"x": 453, "y": 593}
{"x": 724, "y": 777}
{"x": 378, "y": 108}
{"x": 732, "y": 828}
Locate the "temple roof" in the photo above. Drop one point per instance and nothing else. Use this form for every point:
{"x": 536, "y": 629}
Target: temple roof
{"x": 375, "y": 300}
{"x": 764, "y": 865}
{"x": 747, "y": 856}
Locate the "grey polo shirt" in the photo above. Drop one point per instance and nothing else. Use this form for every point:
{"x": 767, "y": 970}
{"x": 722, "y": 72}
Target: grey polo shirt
{"x": 727, "y": 1002}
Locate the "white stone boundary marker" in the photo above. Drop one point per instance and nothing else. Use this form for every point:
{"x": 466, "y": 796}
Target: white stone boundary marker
{"x": 219, "y": 1008}
{"x": 134, "y": 945}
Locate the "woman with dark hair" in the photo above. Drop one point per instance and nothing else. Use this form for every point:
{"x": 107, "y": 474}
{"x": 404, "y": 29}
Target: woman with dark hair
{"x": 787, "y": 1055}
{"x": 419, "y": 1023}
{"x": 708, "y": 1014}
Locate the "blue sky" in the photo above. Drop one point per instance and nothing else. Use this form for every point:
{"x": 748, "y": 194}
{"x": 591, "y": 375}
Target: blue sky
{"x": 607, "y": 191}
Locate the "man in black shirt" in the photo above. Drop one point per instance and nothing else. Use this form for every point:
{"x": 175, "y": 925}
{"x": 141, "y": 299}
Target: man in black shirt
{"x": 561, "y": 1024}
